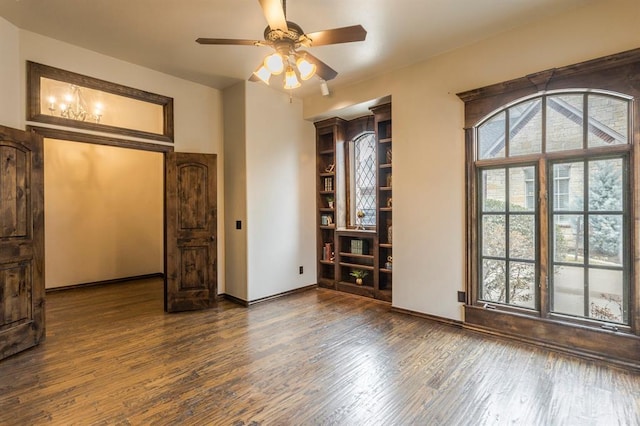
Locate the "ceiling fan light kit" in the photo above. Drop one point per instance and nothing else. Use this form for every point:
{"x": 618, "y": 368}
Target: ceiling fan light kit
{"x": 286, "y": 38}
{"x": 274, "y": 63}
{"x": 290, "y": 79}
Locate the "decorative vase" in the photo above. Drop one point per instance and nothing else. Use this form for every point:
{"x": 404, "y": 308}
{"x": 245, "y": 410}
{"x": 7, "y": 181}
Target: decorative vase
{"x": 359, "y": 281}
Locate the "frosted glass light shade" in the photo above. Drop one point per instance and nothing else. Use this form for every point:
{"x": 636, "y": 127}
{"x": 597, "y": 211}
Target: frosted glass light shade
{"x": 306, "y": 68}
{"x": 290, "y": 79}
{"x": 274, "y": 63}
{"x": 263, "y": 74}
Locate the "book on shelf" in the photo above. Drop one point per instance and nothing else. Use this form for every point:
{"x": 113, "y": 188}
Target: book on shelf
{"x": 326, "y": 252}
{"x": 328, "y": 184}
{"x": 359, "y": 247}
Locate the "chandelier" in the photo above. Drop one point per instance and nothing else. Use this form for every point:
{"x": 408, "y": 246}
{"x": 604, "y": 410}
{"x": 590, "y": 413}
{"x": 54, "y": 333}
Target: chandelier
{"x": 74, "y": 106}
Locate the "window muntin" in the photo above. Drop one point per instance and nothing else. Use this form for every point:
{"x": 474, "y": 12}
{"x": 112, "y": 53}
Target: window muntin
{"x": 362, "y": 180}
{"x": 507, "y": 231}
{"x": 588, "y": 226}
{"x": 588, "y": 270}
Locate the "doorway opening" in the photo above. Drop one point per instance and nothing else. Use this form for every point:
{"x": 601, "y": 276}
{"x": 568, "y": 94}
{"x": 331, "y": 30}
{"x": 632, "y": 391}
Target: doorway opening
{"x": 103, "y": 213}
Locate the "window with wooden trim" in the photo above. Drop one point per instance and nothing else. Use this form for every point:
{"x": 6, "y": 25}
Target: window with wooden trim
{"x": 587, "y": 212}
{"x": 553, "y": 190}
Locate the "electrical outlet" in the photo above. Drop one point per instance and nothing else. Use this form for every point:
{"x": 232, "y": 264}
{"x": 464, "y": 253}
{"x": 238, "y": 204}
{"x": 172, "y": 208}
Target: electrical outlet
{"x": 301, "y": 270}
{"x": 462, "y": 296}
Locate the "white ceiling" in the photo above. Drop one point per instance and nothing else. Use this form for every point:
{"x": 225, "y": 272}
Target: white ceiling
{"x": 160, "y": 34}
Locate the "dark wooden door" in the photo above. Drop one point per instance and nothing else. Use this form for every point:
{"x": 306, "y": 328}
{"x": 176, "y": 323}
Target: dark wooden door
{"x": 21, "y": 241}
{"x": 191, "y": 237}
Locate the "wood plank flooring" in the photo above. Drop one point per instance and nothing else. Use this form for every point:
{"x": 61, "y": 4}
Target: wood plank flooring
{"x": 112, "y": 357}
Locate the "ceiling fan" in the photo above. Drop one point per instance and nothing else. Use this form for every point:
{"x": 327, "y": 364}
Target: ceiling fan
{"x": 286, "y": 38}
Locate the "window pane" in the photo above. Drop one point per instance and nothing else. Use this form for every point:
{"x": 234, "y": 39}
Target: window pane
{"x": 564, "y": 122}
{"x": 605, "y": 240}
{"x": 605, "y": 185}
{"x": 525, "y": 128}
{"x": 493, "y": 280}
{"x": 568, "y": 241}
{"x": 522, "y": 289}
{"x": 365, "y": 178}
{"x": 493, "y": 190}
{"x": 522, "y": 188}
{"x": 606, "y": 295}
{"x": 568, "y": 290}
{"x": 608, "y": 121}
{"x": 491, "y": 137}
{"x": 522, "y": 236}
{"x": 493, "y": 235}
{"x": 568, "y": 187}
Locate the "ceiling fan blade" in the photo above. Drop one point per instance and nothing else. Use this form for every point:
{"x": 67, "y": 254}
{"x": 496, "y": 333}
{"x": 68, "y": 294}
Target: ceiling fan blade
{"x": 274, "y": 13}
{"x": 323, "y": 70}
{"x": 233, "y": 41}
{"x": 335, "y": 36}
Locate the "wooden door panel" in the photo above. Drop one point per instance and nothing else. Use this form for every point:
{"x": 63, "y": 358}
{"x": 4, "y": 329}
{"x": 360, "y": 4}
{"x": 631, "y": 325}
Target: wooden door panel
{"x": 15, "y": 294}
{"x": 21, "y": 241}
{"x": 194, "y": 263}
{"x": 13, "y": 194}
{"x": 192, "y": 204}
{"x": 191, "y": 251}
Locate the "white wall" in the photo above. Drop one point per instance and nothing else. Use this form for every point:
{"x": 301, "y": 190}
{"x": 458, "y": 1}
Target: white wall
{"x": 100, "y": 222}
{"x": 280, "y": 161}
{"x": 235, "y": 191}
{"x": 428, "y": 140}
{"x": 270, "y": 181}
{"x": 197, "y": 109}
{"x": 10, "y": 112}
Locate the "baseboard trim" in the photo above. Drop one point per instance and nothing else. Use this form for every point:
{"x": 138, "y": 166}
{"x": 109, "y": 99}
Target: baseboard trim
{"x": 246, "y": 303}
{"x": 436, "y": 318}
{"x": 105, "y": 282}
{"x": 233, "y": 299}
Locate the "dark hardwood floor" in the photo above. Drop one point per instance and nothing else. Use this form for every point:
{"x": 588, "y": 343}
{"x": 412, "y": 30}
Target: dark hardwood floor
{"x": 112, "y": 357}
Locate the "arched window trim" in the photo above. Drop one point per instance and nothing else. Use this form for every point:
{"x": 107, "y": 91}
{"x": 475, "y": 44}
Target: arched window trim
{"x": 616, "y": 76}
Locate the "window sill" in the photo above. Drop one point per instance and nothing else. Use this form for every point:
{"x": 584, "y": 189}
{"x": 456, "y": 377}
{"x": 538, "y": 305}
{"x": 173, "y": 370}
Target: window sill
{"x": 619, "y": 347}
{"x": 353, "y": 231}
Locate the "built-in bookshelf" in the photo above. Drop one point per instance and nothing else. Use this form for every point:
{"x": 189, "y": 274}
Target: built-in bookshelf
{"x": 357, "y": 253}
{"x": 383, "y": 129}
{"x": 329, "y": 134}
{"x": 343, "y": 251}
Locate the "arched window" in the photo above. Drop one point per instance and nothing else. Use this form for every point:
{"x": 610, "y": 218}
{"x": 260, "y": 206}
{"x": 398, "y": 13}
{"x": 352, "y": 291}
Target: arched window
{"x": 553, "y": 207}
{"x": 587, "y": 208}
